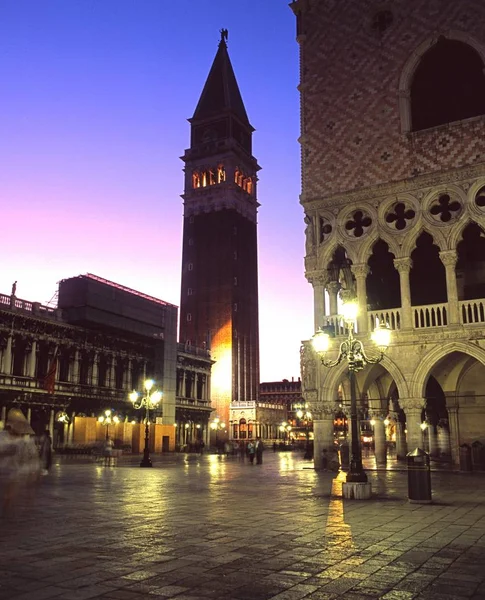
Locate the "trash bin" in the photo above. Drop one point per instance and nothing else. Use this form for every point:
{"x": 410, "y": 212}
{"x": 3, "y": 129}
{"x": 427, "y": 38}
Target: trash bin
{"x": 477, "y": 456}
{"x": 344, "y": 456}
{"x": 419, "y": 477}
{"x": 465, "y": 458}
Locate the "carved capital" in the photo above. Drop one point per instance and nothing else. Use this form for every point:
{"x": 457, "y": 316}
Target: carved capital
{"x": 323, "y": 410}
{"x": 360, "y": 271}
{"x": 412, "y": 404}
{"x": 403, "y": 265}
{"x": 333, "y": 287}
{"x": 377, "y": 414}
{"x": 449, "y": 258}
{"x": 317, "y": 278}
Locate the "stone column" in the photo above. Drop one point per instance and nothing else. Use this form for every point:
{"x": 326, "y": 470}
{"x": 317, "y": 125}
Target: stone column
{"x": 403, "y": 266}
{"x": 323, "y": 417}
{"x": 401, "y": 445}
{"x": 32, "y": 359}
{"x": 454, "y": 434}
{"x": 318, "y": 301}
{"x": 7, "y": 357}
{"x": 143, "y": 374}
{"x": 70, "y": 433}
{"x": 29, "y": 414}
{"x": 51, "y": 423}
{"x": 360, "y": 273}
{"x": 449, "y": 258}
{"x": 333, "y": 289}
{"x": 95, "y": 370}
{"x": 413, "y": 408}
{"x": 433, "y": 440}
{"x": 75, "y": 368}
{"x": 112, "y": 372}
{"x": 443, "y": 439}
{"x": 4, "y": 413}
{"x": 128, "y": 371}
{"x": 380, "y": 449}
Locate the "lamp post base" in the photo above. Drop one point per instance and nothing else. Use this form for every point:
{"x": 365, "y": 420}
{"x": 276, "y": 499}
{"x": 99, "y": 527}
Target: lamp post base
{"x": 357, "y": 490}
{"x": 146, "y": 462}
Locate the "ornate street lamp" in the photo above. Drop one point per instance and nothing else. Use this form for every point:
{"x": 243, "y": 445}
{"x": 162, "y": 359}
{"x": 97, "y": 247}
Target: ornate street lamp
{"x": 353, "y": 351}
{"x": 216, "y": 425}
{"x": 149, "y": 401}
{"x": 107, "y": 418}
{"x": 285, "y": 429}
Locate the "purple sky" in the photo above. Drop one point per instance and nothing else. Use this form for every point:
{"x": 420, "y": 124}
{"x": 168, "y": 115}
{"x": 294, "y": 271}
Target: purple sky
{"x": 95, "y": 97}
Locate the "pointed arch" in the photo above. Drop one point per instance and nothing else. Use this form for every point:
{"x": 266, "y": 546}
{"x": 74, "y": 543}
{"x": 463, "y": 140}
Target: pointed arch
{"x": 367, "y": 247}
{"x": 336, "y": 374}
{"x": 409, "y": 243}
{"x": 429, "y": 360}
{"x": 410, "y": 66}
{"x": 456, "y": 232}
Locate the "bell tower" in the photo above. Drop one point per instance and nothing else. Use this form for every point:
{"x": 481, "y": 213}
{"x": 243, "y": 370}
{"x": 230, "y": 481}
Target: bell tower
{"x": 219, "y": 291}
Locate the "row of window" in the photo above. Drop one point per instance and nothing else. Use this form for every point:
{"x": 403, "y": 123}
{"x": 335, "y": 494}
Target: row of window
{"x": 215, "y": 175}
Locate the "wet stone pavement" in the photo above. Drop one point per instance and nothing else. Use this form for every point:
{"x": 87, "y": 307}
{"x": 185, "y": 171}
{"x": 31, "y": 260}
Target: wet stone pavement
{"x": 209, "y": 527}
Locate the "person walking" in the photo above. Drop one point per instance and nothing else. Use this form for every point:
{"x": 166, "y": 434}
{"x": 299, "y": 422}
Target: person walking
{"x": 251, "y": 451}
{"x": 45, "y": 452}
{"x": 259, "y": 451}
{"x": 108, "y": 451}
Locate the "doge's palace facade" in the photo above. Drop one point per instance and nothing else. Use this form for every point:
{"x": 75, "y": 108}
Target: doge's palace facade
{"x": 393, "y": 193}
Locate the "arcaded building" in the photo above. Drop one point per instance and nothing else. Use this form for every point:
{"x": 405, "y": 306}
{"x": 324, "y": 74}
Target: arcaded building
{"x": 393, "y": 193}
{"x": 219, "y": 290}
{"x": 64, "y": 365}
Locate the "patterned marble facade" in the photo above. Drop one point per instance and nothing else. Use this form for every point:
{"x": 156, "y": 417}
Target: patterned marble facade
{"x": 393, "y": 192}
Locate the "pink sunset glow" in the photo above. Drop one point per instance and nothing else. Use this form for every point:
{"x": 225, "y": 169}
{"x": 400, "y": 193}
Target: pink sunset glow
{"x": 94, "y": 113}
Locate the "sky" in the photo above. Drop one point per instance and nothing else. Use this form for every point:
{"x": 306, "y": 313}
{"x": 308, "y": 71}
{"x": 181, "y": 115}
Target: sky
{"x": 94, "y": 103}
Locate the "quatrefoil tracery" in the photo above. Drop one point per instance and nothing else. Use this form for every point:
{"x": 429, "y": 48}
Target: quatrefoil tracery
{"x": 358, "y": 224}
{"x": 445, "y": 208}
{"x": 400, "y": 215}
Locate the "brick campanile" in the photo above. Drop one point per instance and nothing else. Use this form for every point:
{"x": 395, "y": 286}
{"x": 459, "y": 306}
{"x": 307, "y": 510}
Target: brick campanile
{"x": 219, "y": 292}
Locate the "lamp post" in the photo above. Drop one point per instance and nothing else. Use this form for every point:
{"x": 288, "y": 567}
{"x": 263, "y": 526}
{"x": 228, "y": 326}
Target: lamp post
{"x": 285, "y": 429}
{"x": 216, "y": 425}
{"x": 149, "y": 401}
{"x": 353, "y": 351}
{"x": 107, "y": 419}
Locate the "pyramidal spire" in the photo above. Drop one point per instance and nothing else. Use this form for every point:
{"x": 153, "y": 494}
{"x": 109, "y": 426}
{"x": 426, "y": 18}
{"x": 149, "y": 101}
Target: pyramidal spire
{"x": 221, "y": 92}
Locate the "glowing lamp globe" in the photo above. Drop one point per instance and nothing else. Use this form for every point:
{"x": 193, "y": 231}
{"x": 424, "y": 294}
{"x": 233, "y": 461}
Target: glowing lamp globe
{"x": 381, "y": 336}
{"x": 321, "y": 342}
{"x": 350, "y": 310}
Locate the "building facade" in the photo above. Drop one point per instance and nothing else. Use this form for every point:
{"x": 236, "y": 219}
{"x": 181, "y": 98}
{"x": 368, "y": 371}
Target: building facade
{"x": 219, "y": 291}
{"x": 65, "y": 366}
{"x": 393, "y": 192}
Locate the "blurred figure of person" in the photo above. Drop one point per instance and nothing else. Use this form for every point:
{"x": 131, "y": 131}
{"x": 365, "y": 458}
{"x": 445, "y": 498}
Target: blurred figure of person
{"x": 45, "y": 451}
{"x": 259, "y": 451}
{"x": 235, "y": 449}
{"x": 19, "y": 458}
{"x": 251, "y": 451}
{"x": 227, "y": 448}
{"x": 108, "y": 452}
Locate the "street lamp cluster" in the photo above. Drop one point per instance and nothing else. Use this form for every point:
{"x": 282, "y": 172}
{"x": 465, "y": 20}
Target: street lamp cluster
{"x": 217, "y": 425}
{"x": 107, "y": 419}
{"x": 149, "y": 401}
{"x": 352, "y": 350}
{"x": 285, "y": 429}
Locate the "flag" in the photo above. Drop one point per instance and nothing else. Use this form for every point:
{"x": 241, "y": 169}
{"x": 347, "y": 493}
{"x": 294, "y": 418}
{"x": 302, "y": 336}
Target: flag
{"x": 50, "y": 378}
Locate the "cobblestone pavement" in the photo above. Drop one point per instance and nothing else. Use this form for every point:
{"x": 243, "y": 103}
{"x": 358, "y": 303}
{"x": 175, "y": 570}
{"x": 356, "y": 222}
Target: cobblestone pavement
{"x": 195, "y": 528}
